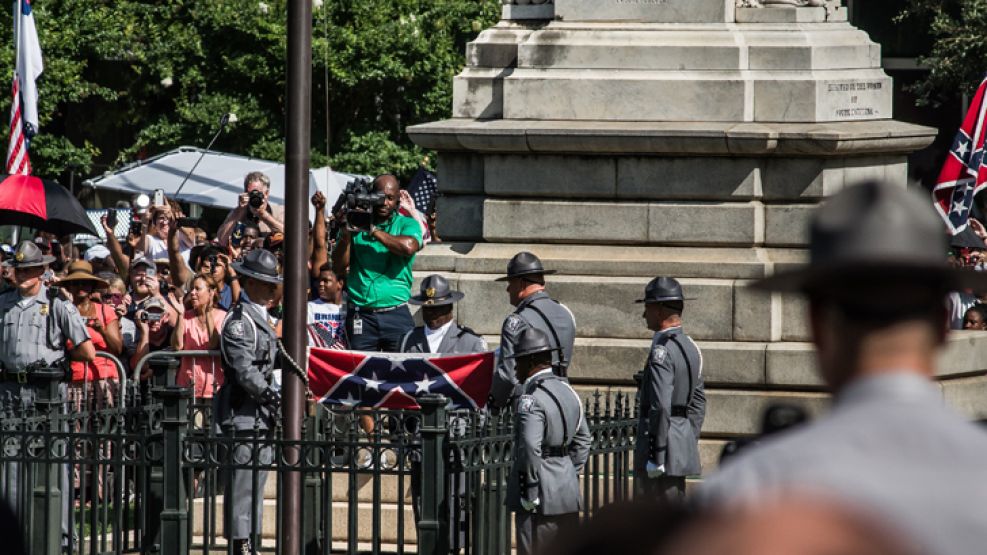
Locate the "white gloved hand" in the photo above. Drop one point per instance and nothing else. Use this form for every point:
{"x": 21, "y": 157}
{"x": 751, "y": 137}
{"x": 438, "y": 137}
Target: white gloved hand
{"x": 529, "y": 506}
{"x": 654, "y": 470}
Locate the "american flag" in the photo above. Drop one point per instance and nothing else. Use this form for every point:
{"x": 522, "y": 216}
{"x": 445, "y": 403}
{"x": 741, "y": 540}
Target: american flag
{"x": 393, "y": 380}
{"x": 963, "y": 174}
{"x": 326, "y": 335}
{"x": 424, "y": 189}
{"x": 24, "y": 108}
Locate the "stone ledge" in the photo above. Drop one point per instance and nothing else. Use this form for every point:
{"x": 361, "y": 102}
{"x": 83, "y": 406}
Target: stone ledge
{"x": 781, "y": 14}
{"x": 673, "y": 138}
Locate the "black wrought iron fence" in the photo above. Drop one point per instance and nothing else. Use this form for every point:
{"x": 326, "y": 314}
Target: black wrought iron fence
{"x": 151, "y": 473}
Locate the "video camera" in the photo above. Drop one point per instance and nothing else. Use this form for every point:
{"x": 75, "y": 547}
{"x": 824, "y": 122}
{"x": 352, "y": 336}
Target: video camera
{"x": 359, "y": 199}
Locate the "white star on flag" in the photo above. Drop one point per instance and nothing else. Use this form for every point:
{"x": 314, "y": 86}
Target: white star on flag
{"x": 423, "y": 385}
{"x": 349, "y": 401}
{"x": 372, "y": 382}
{"x": 958, "y": 207}
{"x": 963, "y": 149}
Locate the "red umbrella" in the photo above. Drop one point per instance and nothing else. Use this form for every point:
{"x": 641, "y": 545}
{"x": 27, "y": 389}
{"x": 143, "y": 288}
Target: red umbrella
{"x": 42, "y": 204}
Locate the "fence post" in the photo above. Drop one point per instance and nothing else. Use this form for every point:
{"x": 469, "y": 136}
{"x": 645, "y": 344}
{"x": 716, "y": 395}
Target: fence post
{"x": 49, "y": 483}
{"x": 313, "y": 434}
{"x": 174, "y": 513}
{"x": 433, "y": 528}
{"x": 163, "y": 375}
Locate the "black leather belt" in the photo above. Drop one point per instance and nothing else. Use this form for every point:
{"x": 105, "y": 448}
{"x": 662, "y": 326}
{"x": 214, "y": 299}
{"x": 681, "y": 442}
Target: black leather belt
{"x": 681, "y": 411}
{"x": 554, "y": 452}
{"x": 371, "y": 310}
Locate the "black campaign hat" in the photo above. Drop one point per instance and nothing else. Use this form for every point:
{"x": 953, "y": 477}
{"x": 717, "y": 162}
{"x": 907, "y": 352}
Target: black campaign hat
{"x": 27, "y": 255}
{"x": 524, "y": 264}
{"x": 875, "y": 231}
{"x": 435, "y": 291}
{"x": 259, "y": 264}
{"x": 663, "y": 289}
{"x": 531, "y": 342}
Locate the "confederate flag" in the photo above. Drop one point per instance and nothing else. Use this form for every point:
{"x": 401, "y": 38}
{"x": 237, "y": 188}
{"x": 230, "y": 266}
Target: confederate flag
{"x": 963, "y": 174}
{"x": 393, "y": 380}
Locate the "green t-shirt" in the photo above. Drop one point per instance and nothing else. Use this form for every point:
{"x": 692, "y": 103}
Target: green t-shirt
{"x": 377, "y": 278}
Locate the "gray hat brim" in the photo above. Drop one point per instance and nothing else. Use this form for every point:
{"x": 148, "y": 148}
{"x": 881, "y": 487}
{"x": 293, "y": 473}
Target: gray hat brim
{"x": 240, "y": 270}
{"x": 522, "y": 274}
{"x": 535, "y": 352}
{"x": 809, "y": 278}
{"x": 664, "y": 300}
{"x": 45, "y": 259}
{"x": 454, "y": 296}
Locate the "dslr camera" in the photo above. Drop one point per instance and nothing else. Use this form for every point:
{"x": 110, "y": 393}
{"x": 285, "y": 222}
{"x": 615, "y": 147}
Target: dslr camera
{"x": 360, "y": 199}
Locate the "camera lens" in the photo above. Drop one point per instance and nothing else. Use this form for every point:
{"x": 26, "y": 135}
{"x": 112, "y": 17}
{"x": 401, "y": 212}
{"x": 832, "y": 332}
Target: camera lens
{"x": 256, "y": 199}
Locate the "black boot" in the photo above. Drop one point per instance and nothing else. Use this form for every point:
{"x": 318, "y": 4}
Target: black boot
{"x": 242, "y": 547}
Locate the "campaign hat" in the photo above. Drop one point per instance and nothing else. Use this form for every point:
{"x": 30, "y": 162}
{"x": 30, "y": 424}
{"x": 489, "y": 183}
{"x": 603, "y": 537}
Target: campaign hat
{"x": 524, "y": 264}
{"x": 435, "y": 291}
{"x": 531, "y": 342}
{"x": 259, "y": 264}
{"x": 28, "y": 254}
{"x": 875, "y": 231}
{"x": 663, "y": 289}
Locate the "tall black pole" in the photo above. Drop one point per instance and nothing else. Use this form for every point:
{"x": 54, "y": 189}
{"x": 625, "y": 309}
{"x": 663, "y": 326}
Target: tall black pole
{"x": 297, "y": 144}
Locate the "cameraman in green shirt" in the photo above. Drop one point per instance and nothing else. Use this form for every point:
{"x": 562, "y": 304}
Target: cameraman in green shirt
{"x": 379, "y": 279}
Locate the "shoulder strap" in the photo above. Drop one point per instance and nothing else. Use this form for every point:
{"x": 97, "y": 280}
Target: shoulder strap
{"x": 558, "y": 405}
{"x": 688, "y": 366}
{"x": 555, "y": 335}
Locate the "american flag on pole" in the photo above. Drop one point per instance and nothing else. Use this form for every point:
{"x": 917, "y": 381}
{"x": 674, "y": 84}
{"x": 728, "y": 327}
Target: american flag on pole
{"x": 424, "y": 188}
{"x": 394, "y": 380}
{"x": 963, "y": 174}
{"x": 24, "y": 107}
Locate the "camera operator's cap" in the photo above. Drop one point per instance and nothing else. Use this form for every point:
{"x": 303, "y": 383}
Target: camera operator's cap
{"x": 80, "y": 270}
{"x": 154, "y": 303}
{"x": 531, "y": 342}
{"x": 259, "y": 264}
{"x": 663, "y": 289}
{"x": 435, "y": 291}
{"x": 524, "y": 264}
{"x": 875, "y": 231}
{"x": 28, "y": 254}
{"x": 141, "y": 261}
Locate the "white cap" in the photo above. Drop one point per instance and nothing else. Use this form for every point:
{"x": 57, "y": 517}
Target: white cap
{"x": 94, "y": 252}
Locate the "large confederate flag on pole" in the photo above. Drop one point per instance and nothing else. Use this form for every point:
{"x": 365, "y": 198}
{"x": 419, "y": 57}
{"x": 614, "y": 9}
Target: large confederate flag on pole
{"x": 394, "y": 381}
{"x": 963, "y": 174}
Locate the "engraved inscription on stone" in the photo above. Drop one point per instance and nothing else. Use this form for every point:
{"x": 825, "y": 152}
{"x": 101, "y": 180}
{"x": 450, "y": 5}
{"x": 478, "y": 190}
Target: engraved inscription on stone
{"x": 855, "y": 99}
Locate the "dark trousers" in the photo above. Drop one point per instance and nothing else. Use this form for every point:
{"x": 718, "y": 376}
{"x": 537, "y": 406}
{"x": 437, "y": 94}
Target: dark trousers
{"x": 535, "y": 532}
{"x": 663, "y": 488}
{"x": 381, "y": 331}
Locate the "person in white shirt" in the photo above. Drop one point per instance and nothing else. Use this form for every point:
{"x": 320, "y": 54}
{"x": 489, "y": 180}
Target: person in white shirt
{"x": 327, "y": 314}
{"x": 441, "y": 333}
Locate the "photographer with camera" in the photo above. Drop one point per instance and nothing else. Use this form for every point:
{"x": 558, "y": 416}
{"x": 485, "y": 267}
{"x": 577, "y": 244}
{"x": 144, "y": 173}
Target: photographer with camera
{"x": 377, "y": 246}
{"x": 154, "y": 327}
{"x": 253, "y": 207}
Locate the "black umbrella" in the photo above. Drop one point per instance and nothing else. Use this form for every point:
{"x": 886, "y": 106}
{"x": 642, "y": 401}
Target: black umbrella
{"x": 967, "y": 239}
{"x": 43, "y": 204}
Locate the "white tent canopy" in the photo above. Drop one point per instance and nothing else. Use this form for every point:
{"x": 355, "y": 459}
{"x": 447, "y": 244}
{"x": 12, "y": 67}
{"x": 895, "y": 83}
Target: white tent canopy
{"x": 217, "y": 180}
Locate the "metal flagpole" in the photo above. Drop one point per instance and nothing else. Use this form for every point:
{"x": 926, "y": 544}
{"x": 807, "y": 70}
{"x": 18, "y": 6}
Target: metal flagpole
{"x": 297, "y": 151}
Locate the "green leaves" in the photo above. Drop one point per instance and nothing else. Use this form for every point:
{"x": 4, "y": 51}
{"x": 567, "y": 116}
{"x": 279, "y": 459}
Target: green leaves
{"x": 129, "y": 78}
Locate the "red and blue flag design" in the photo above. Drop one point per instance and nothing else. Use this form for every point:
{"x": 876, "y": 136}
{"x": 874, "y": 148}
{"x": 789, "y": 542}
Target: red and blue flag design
{"x": 963, "y": 174}
{"x": 395, "y": 380}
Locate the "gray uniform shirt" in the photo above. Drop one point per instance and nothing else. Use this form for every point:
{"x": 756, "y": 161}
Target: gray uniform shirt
{"x": 888, "y": 446}
{"x": 248, "y": 344}
{"x": 541, "y": 312}
{"x": 672, "y": 405}
{"x": 458, "y": 340}
{"x": 24, "y": 323}
{"x": 549, "y": 416}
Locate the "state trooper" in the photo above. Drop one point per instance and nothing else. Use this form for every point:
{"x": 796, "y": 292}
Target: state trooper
{"x": 671, "y": 397}
{"x": 551, "y": 445}
{"x": 876, "y": 285}
{"x": 249, "y": 399}
{"x": 440, "y": 334}
{"x": 534, "y": 309}
{"x": 36, "y": 328}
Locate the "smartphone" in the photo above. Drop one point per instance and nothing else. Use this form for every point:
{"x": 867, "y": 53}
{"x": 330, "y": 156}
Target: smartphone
{"x": 236, "y": 238}
{"x": 187, "y": 222}
{"x": 111, "y": 219}
{"x": 136, "y": 228}
{"x": 159, "y": 198}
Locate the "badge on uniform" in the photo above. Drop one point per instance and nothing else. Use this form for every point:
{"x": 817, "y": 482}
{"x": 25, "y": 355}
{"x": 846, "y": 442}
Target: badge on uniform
{"x": 525, "y": 403}
{"x": 659, "y": 354}
{"x": 43, "y": 310}
{"x": 236, "y": 328}
{"x": 357, "y": 325}
{"x": 513, "y": 323}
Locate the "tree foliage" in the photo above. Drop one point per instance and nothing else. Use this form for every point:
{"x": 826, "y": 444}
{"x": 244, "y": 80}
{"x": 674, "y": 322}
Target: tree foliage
{"x": 958, "y": 58}
{"x": 127, "y": 79}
